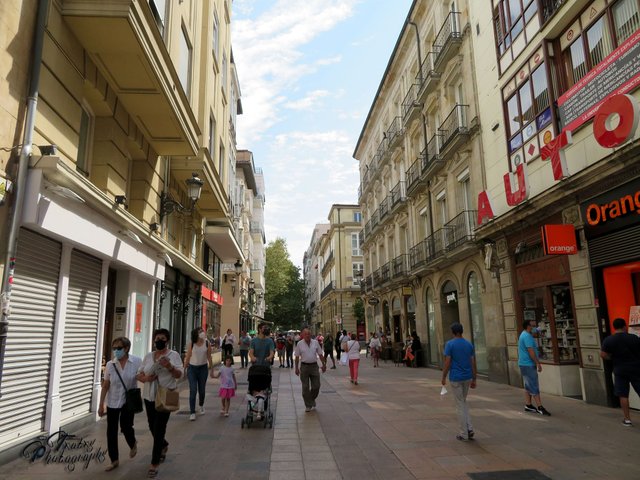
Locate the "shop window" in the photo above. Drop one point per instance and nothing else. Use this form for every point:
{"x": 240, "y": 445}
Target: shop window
{"x": 551, "y": 310}
{"x": 477, "y": 324}
{"x": 431, "y": 327}
{"x": 626, "y": 19}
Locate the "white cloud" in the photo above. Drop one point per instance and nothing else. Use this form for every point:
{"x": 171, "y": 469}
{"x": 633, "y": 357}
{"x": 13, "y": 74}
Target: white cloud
{"x": 329, "y": 60}
{"x": 307, "y": 103}
{"x": 268, "y": 56}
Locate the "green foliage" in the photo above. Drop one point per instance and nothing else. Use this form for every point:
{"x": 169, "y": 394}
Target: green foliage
{"x": 358, "y": 310}
{"x": 284, "y": 294}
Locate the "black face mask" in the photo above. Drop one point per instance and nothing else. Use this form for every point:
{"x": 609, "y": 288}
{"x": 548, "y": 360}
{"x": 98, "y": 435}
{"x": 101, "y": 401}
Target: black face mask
{"x": 160, "y": 344}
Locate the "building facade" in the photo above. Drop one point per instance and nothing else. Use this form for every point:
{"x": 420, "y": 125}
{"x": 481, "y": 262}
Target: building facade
{"x": 123, "y": 217}
{"x": 311, "y": 275}
{"x": 560, "y": 96}
{"x": 420, "y": 155}
{"x": 339, "y": 269}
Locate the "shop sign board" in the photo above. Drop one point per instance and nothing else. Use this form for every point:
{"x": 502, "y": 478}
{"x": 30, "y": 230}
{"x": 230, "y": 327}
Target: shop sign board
{"x": 373, "y": 301}
{"x": 559, "y": 239}
{"x": 613, "y": 210}
{"x": 211, "y": 295}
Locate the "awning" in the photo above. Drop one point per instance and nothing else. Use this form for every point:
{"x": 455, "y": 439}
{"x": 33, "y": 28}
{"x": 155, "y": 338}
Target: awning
{"x": 221, "y": 240}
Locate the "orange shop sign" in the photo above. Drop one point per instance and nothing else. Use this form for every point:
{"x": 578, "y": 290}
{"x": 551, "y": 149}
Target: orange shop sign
{"x": 211, "y": 295}
{"x": 559, "y": 240}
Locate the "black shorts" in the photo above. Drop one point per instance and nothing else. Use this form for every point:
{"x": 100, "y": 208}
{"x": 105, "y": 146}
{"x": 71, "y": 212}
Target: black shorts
{"x": 621, "y": 382}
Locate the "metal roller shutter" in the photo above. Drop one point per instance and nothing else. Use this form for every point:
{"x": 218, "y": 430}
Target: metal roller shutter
{"x": 80, "y": 335}
{"x": 617, "y": 247}
{"x": 25, "y": 377}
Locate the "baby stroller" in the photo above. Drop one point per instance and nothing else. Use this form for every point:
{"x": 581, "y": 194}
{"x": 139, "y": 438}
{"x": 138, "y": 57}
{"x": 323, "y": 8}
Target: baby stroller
{"x": 259, "y": 397}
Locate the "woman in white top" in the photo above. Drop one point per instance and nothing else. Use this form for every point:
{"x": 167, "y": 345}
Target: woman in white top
{"x": 197, "y": 363}
{"x": 228, "y": 342}
{"x": 375, "y": 346}
{"x": 115, "y": 390}
{"x": 162, "y": 366}
{"x": 352, "y": 348}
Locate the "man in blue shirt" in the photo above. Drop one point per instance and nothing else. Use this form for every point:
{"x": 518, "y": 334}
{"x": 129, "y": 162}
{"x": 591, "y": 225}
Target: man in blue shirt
{"x": 529, "y": 368}
{"x": 460, "y": 363}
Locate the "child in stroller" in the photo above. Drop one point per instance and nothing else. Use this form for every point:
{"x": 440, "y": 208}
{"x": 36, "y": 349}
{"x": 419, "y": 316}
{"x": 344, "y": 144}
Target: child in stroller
{"x": 258, "y": 396}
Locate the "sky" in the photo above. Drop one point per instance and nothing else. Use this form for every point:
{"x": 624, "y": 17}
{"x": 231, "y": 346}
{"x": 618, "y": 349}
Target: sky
{"x": 308, "y": 72}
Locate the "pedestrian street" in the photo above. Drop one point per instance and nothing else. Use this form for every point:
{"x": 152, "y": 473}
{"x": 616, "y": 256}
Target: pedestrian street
{"x": 393, "y": 425}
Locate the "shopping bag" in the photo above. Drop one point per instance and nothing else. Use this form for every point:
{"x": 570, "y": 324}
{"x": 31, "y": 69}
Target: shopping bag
{"x": 167, "y": 399}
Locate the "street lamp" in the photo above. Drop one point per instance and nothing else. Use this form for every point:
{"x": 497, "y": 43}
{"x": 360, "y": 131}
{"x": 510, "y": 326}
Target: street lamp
{"x": 194, "y": 190}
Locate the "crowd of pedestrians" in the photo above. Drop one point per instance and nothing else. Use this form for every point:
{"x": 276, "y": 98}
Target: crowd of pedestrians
{"x": 160, "y": 370}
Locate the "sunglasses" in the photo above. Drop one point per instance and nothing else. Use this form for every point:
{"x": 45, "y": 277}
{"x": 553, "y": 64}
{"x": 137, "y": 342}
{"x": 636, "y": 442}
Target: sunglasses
{"x": 118, "y": 348}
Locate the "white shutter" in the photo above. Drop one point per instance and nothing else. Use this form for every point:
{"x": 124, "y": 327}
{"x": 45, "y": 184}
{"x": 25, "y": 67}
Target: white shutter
{"x": 80, "y": 335}
{"x": 27, "y": 362}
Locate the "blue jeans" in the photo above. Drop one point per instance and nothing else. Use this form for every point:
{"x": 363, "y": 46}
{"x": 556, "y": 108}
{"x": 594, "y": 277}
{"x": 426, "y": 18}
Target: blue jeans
{"x": 197, "y": 381}
{"x": 244, "y": 358}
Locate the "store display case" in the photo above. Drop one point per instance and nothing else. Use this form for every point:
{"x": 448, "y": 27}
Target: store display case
{"x": 552, "y": 310}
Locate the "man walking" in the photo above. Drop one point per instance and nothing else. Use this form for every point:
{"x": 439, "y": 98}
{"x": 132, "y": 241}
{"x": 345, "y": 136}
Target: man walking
{"x": 306, "y": 353}
{"x": 529, "y": 368}
{"x": 460, "y": 363}
{"x": 623, "y": 349}
{"x": 262, "y": 349}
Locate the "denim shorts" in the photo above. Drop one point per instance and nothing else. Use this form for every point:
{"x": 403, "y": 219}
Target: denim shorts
{"x": 530, "y": 377}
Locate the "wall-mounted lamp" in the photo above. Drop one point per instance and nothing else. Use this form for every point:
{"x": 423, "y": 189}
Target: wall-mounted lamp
{"x": 48, "y": 149}
{"x": 154, "y": 227}
{"x": 520, "y": 247}
{"x": 233, "y": 286}
{"x": 121, "y": 200}
{"x": 194, "y": 190}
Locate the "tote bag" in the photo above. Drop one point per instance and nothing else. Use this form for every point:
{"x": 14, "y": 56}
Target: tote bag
{"x": 167, "y": 399}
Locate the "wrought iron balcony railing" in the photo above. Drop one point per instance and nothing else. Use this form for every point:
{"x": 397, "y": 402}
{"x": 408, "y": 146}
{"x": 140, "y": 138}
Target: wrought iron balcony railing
{"x": 383, "y": 209}
{"x": 461, "y": 229}
{"x": 455, "y": 124}
{"x": 410, "y": 103}
{"x": 328, "y": 289}
{"x": 413, "y": 173}
{"x": 550, "y": 7}
{"x": 399, "y": 266}
{"x": 398, "y": 193}
{"x": 395, "y": 132}
{"x": 385, "y": 272}
{"x": 448, "y": 35}
{"x": 361, "y": 236}
{"x": 375, "y": 219}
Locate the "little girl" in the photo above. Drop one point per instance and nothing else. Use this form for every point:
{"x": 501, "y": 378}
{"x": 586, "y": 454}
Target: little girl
{"x": 228, "y": 385}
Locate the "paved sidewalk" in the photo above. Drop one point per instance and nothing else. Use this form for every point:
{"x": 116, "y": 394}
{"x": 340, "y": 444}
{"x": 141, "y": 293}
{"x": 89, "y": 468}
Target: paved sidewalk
{"x": 393, "y": 425}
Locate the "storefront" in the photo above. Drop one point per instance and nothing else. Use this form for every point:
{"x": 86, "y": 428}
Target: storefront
{"x": 612, "y": 228}
{"x": 544, "y": 295}
{"x": 211, "y": 307}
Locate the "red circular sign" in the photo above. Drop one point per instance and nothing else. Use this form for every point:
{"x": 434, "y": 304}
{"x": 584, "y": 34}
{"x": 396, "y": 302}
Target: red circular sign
{"x": 627, "y": 109}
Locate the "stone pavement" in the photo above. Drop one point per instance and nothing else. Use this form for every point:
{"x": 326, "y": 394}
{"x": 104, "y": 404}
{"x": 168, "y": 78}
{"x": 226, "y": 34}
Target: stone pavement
{"x": 393, "y": 425}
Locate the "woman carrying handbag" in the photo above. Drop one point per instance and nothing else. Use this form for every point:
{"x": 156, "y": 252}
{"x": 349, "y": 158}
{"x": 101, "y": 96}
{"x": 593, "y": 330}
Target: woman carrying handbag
{"x": 119, "y": 376}
{"x": 159, "y": 372}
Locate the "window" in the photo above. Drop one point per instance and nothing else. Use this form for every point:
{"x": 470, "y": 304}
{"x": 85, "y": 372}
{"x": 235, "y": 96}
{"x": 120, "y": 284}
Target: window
{"x": 355, "y": 245}
{"x": 224, "y": 72}
{"x": 357, "y": 217}
{"x": 509, "y": 20}
{"x": 358, "y": 271}
{"x": 221, "y": 161}
{"x": 625, "y": 19}
{"x": 477, "y": 323}
{"x": 527, "y": 109}
{"x": 597, "y": 40}
{"x": 159, "y": 9}
{"x": 212, "y": 136}
{"x": 442, "y": 207}
{"x": 85, "y": 140}
{"x": 464, "y": 187}
{"x": 216, "y": 36}
{"x": 424, "y": 220}
{"x": 184, "y": 64}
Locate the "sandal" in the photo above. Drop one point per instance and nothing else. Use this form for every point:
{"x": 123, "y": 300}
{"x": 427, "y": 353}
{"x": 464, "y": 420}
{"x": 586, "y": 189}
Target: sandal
{"x": 163, "y": 454}
{"x": 152, "y": 473}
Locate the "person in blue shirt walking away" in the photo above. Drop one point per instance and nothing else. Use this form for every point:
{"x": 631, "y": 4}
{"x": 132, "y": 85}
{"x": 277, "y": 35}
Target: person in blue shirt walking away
{"x": 460, "y": 364}
{"x": 529, "y": 368}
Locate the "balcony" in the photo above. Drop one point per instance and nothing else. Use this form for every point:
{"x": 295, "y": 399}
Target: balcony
{"x": 398, "y": 194}
{"x": 428, "y": 78}
{"x": 126, "y": 45}
{"x": 327, "y": 290}
{"x": 368, "y": 283}
{"x": 395, "y": 133}
{"x": 383, "y": 209}
{"x": 413, "y": 175}
{"x": 410, "y": 105}
{"x": 448, "y": 40}
{"x": 376, "y": 278}
{"x": 460, "y": 229}
{"x": 375, "y": 219}
{"x": 549, "y": 8}
{"x": 361, "y": 237}
{"x": 454, "y": 128}
{"x": 431, "y": 158}
{"x": 383, "y": 151}
{"x": 399, "y": 267}
{"x": 385, "y": 273}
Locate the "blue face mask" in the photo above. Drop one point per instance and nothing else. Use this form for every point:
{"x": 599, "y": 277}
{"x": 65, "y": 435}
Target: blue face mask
{"x": 119, "y": 353}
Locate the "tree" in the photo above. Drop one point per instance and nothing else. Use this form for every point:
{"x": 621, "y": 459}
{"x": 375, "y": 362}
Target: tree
{"x": 284, "y": 295}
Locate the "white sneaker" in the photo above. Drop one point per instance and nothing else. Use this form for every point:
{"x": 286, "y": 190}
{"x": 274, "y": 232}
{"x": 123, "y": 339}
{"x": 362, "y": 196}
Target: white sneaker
{"x": 192, "y": 417}
{"x": 202, "y": 410}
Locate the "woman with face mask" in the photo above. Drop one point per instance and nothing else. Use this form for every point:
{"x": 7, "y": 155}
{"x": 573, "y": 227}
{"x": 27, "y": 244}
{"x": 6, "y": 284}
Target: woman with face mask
{"x": 119, "y": 376}
{"x": 197, "y": 363}
{"x": 162, "y": 366}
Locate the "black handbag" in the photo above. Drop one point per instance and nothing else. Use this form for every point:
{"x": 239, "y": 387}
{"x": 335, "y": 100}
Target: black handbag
{"x": 133, "y": 396}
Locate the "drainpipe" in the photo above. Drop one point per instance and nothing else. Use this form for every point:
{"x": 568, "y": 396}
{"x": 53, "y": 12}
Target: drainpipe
{"x": 415, "y": 26}
{"x": 340, "y": 267}
{"x": 23, "y": 166}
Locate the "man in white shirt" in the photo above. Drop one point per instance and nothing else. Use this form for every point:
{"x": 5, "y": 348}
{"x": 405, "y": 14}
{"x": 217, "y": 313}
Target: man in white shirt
{"x": 306, "y": 356}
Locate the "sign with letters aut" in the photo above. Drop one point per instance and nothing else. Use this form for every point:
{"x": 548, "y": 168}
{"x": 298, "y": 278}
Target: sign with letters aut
{"x": 559, "y": 240}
